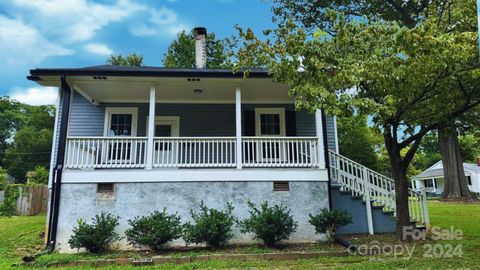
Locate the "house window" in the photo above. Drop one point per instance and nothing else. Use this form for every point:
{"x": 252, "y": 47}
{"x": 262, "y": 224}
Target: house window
{"x": 469, "y": 180}
{"x": 120, "y": 124}
{"x": 428, "y": 183}
{"x": 105, "y": 188}
{"x": 120, "y": 121}
{"x": 270, "y": 121}
{"x": 281, "y": 186}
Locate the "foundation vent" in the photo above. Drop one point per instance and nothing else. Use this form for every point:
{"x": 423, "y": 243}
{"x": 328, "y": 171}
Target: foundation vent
{"x": 281, "y": 186}
{"x": 105, "y": 188}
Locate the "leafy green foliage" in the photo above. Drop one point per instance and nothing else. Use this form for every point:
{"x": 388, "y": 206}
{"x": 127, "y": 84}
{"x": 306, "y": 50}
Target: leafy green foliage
{"x": 409, "y": 80}
{"x": 358, "y": 141}
{"x": 181, "y": 52}
{"x": 154, "y": 230}
{"x": 129, "y": 60}
{"x": 31, "y": 148}
{"x": 328, "y": 221}
{"x": 270, "y": 224}
{"x": 210, "y": 226}
{"x": 314, "y": 14}
{"x": 38, "y": 176}
{"x": 8, "y": 207}
{"x": 25, "y": 137}
{"x": 3, "y": 179}
{"x": 95, "y": 237}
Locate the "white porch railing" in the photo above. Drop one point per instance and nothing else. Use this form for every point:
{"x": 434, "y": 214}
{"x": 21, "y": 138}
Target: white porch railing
{"x": 190, "y": 152}
{"x": 279, "y": 152}
{"x": 105, "y": 152}
{"x": 372, "y": 186}
{"x": 194, "y": 152}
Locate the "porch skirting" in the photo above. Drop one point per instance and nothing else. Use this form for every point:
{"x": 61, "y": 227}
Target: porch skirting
{"x": 137, "y": 199}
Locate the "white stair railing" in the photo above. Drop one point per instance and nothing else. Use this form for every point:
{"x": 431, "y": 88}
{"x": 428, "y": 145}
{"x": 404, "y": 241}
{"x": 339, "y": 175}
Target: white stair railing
{"x": 364, "y": 182}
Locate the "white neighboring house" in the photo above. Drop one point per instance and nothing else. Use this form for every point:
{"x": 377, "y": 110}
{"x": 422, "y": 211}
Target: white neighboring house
{"x": 433, "y": 181}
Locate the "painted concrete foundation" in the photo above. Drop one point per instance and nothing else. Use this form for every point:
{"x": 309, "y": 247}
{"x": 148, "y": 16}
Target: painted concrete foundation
{"x": 137, "y": 199}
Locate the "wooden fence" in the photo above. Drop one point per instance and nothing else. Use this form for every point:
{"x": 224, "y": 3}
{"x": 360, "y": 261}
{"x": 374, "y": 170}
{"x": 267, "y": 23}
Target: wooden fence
{"x": 32, "y": 200}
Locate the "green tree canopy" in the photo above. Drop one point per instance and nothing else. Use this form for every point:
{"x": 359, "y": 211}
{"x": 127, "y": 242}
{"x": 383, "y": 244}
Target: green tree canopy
{"x": 358, "y": 141}
{"x": 129, "y": 60}
{"x": 410, "y": 80}
{"x": 181, "y": 52}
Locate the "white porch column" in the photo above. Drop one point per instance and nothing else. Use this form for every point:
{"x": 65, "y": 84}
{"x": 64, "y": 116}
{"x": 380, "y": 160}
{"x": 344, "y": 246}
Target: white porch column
{"x": 319, "y": 133}
{"x": 434, "y": 185}
{"x": 238, "y": 122}
{"x": 151, "y": 129}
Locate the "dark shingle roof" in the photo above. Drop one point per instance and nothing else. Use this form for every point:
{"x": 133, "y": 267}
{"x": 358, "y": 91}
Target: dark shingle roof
{"x": 145, "y": 71}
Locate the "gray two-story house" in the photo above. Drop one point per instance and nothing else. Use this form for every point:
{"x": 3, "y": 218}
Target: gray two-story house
{"x": 131, "y": 140}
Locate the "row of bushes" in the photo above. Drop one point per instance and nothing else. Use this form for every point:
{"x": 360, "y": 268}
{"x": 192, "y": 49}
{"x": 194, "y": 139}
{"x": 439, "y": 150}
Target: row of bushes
{"x": 212, "y": 227}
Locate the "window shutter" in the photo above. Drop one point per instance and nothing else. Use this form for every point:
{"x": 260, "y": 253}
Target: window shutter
{"x": 249, "y": 123}
{"x": 290, "y": 123}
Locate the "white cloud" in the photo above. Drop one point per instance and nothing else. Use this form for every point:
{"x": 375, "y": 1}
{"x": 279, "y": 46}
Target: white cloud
{"x": 163, "y": 21}
{"x": 35, "y": 95}
{"x": 99, "y": 49}
{"x": 22, "y": 44}
{"x": 76, "y": 20}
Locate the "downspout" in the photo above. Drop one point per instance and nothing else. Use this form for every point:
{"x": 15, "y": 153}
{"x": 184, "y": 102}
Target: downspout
{"x": 57, "y": 177}
{"x": 327, "y": 160}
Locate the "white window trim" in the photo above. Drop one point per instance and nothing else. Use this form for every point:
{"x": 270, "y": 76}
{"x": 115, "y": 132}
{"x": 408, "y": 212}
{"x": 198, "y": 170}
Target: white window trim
{"x": 173, "y": 120}
{"x": 113, "y": 110}
{"x": 279, "y": 111}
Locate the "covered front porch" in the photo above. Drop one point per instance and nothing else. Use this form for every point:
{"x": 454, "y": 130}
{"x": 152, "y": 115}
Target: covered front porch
{"x": 117, "y": 123}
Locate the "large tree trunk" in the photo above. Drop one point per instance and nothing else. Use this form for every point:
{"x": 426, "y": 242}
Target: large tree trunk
{"x": 455, "y": 182}
{"x": 399, "y": 174}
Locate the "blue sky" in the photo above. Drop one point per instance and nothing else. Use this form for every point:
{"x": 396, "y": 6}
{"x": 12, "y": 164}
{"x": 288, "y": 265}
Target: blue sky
{"x": 77, "y": 33}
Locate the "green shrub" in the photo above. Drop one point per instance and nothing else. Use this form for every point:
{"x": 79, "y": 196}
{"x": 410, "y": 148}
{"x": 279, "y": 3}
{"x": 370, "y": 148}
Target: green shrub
{"x": 154, "y": 230}
{"x": 38, "y": 176}
{"x": 270, "y": 224}
{"x": 210, "y": 226}
{"x": 328, "y": 221}
{"x": 95, "y": 237}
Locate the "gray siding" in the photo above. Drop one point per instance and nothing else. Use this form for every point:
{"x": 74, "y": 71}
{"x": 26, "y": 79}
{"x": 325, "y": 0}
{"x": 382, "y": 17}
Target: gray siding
{"x": 87, "y": 119}
{"x": 330, "y": 132}
{"x": 305, "y": 123}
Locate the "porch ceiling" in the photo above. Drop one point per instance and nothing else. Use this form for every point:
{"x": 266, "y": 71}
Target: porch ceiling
{"x": 180, "y": 90}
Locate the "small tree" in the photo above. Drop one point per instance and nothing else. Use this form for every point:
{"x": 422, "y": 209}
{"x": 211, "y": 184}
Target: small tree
{"x": 328, "y": 221}
{"x": 130, "y": 60}
{"x": 209, "y": 226}
{"x": 95, "y": 237}
{"x": 154, "y": 230}
{"x": 38, "y": 176}
{"x": 270, "y": 224}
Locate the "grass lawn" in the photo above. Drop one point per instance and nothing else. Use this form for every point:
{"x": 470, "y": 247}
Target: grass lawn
{"x": 21, "y": 235}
